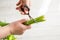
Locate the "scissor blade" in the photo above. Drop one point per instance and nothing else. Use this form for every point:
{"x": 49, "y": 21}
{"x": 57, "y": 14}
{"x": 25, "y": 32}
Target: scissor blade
{"x": 31, "y": 18}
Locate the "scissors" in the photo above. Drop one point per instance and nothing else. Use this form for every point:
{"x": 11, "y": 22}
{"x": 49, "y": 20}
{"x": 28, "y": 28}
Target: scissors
{"x": 27, "y": 12}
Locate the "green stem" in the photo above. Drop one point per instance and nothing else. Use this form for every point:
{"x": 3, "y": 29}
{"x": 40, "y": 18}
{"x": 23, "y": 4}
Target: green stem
{"x": 36, "y": 20}
{"x": 29, "y": 22}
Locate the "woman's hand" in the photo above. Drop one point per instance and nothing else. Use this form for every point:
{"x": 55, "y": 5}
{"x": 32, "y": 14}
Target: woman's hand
{"x": 22, "y": 3}
{"x": 18, "y": 27}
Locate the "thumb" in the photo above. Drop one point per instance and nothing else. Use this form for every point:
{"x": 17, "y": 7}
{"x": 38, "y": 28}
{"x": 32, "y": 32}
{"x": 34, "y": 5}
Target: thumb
{"x": 23, "y": 20}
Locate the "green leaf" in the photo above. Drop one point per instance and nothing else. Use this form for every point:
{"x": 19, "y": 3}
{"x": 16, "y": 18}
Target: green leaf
{"x": 29, "y": 22}
{"x": 10, "y": 37}
{"x": 3, "y": 23}
{"x": 32, "y": 21}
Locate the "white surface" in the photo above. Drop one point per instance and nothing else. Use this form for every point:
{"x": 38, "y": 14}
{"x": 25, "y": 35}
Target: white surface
{"x": 48, "y": 30}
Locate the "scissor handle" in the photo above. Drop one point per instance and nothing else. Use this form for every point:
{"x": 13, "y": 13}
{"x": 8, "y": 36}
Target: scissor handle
{"x": 25, "y": 6}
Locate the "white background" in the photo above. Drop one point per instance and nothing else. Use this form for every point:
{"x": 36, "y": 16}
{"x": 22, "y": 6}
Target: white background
{"x": 48, "y": 30}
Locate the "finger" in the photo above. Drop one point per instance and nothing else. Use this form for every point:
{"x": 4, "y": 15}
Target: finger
{"x": 22, "y": 13}
{"x": 25, "y": 27}
{"x": 28, "y": 3}
{"x": 29, "y": 27}
{"x": 23, "y": 20}
{"x": 18, "y": 2}
{"x": 17, "y": 8}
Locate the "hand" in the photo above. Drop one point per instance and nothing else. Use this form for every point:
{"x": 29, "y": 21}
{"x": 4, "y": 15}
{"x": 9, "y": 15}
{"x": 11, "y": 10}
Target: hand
{"x": 18, "y": 27}
{"x": 22, "y": 3}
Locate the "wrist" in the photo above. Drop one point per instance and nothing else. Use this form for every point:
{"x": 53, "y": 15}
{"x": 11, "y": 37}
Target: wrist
{"x": 4, "y": 31}
{"x": 8, "y": 29}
